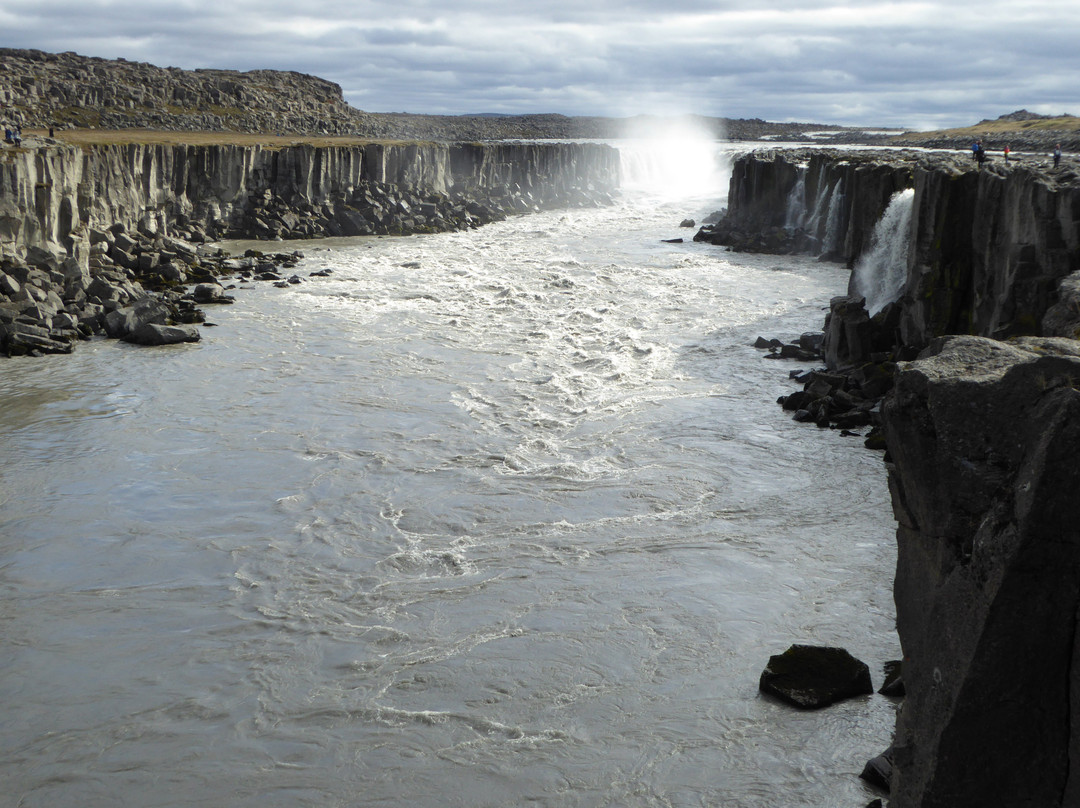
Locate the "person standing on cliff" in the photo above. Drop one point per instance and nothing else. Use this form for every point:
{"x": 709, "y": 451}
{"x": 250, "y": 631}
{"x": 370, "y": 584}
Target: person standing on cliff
{"x": 980, "y": 153}
{"x": 1057, "y": 155}
{"x": 1006, "y": 154}
{"x": 975, "y": 150}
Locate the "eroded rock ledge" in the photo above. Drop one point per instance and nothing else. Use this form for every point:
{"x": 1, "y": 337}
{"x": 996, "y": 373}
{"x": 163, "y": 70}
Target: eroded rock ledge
{"x": 984, "y": 438}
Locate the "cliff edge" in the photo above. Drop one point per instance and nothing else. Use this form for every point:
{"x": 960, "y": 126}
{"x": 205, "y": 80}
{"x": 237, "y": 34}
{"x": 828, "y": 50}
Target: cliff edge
{"x": 983, "y": 438}
{"x": 964, "y": 298}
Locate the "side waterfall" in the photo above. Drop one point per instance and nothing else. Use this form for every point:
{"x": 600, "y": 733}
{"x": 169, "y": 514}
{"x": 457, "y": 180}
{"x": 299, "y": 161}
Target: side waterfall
{"x": 813, "y": 224}
{"x": 881, "y": 271}
{"x": 832, "y": 220}
{"x": 796, "y": 203}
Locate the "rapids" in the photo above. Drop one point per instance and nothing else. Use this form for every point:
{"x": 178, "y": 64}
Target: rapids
{"x": 491, "y": 518}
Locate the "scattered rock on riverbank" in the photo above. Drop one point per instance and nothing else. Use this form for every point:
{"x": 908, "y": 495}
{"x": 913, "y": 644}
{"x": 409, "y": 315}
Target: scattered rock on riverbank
{"x": 135, "y": 289}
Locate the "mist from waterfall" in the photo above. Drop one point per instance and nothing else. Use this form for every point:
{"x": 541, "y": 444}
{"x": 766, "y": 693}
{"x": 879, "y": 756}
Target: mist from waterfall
{"x": 673, "y": 159}
{"x": 880, "y": 273}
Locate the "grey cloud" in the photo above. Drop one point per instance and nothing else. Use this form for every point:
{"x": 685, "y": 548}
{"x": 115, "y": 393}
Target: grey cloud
{"x": 847, "y": 62}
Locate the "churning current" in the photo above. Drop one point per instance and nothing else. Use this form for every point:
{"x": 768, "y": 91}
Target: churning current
{"x": 493, "y": 518}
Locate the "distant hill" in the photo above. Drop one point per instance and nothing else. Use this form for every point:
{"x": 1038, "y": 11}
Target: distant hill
{"x": 67, "y": 90}
{"x": 1020, "y": 130}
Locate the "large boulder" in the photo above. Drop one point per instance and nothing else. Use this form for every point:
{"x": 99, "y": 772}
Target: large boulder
{"x": 984, "y": 438}
{"x": 155, "y": 334}
{"x": 809, "y": 677}
{"x": 120, "y": 323}
{"x": 210, "y": 293}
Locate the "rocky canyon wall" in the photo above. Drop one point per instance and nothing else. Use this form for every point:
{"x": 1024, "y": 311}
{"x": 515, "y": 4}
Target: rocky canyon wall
{"x": 89, "y": 235}
{"x": 983, "y": 437}
{"x": 987, "y": 249}
{"x": 50, "y": 197}
{"x": 982, "y": 432}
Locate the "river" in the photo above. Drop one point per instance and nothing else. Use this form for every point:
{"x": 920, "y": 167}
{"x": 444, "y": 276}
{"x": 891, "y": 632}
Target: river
{"x": 500, "y": 517}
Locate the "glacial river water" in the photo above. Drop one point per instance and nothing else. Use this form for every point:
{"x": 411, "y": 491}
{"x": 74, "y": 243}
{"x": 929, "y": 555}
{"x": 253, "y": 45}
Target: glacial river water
{"x": 495, "y": 518}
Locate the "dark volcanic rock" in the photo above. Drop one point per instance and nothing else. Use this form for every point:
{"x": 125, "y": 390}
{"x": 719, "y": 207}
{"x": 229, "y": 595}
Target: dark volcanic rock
{"x": 984, "y": 437}
{"x": 810, "y": 677}
{"x": 878, "y": 770}
{"x": 154, "y": 334}
{"x": 894, "y": 681}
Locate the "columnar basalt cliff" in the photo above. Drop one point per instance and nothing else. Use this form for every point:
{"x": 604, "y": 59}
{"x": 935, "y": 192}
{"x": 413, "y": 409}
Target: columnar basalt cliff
{"x": 982, "y": 435}
{"x": 987, "y": 251}
{"x": 51, "y": 195}
{"x": 70, "y": 215}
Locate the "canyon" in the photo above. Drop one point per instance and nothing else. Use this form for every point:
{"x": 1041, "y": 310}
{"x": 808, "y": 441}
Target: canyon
{"x": 979, "y": 343}
{"x": 978, "y": 340}
{"x": 88, "y": 230}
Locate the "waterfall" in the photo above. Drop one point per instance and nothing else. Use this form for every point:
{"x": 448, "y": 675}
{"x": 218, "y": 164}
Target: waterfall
{"x": 796, "y": 202}
{"x": 881, "y": 271}
{"x": 813, "y": 224}
{"x": 829, "y": 243}
{"x": 681, "y": 165}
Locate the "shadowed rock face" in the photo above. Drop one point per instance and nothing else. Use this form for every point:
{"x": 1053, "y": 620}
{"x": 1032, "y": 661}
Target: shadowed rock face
{"x": 984, "y": 438}
{"x": 988, "y": 248}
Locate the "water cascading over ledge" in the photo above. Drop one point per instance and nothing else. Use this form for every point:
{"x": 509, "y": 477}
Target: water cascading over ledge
{"x": 987, "y": 249}
{"x": 880, "y": 273}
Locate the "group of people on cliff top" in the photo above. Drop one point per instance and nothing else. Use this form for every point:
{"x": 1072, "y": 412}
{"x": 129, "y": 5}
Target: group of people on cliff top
{"x": 13, "y": 134}
{"x": 978, "y": 153}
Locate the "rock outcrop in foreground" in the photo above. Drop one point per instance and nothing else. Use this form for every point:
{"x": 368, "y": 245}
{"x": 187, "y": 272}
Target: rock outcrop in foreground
{"x": 984, "y": 438}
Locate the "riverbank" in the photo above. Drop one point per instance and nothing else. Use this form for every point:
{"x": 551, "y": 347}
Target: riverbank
{"x": 92, "y": 228}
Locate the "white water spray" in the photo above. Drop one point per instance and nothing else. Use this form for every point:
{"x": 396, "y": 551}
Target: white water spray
{"x": 674, "y": 160}
{"x": 821, "y": 201}
{"x": 881, "y": 271}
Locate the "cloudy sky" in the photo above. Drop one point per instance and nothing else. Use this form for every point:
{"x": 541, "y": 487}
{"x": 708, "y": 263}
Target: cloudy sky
{"x": 862, "y": 62}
